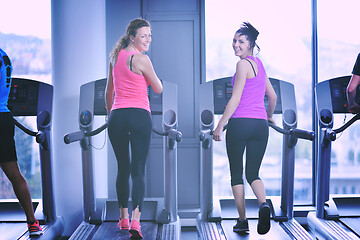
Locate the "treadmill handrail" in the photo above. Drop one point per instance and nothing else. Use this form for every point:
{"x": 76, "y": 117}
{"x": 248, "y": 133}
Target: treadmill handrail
{"x": 298, "y": 133}
{"x": 225, "y": 128}
{"x": 39, "y": 136}
{"x": 204, "y": 134}
{"x": 79, "y": 135}
{"x": 160, "y": 132}
{"x": 174, "y": 134}
{"x": 347, "y": 124}
{"x": 96, "y": 131}
{"x": 25, "y": 129}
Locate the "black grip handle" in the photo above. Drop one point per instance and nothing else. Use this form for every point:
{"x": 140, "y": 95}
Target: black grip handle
{"x": 73, "y": 137}
{"x": 40, "y": 137}
{"x": 203, "y": 134}
{"x": 331, "y": 135}
{"x": 175, "y": 135}
{"x": 298, "y": 133}
{"x": 304, "y": 134}
{"x": 79, "y": 135}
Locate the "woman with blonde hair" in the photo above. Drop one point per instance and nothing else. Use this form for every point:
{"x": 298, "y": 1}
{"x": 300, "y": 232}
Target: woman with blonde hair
{"x": 127, "y": 103}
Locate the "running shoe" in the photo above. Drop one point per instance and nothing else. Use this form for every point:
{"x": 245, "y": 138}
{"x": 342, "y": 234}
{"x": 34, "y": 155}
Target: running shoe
{"x": 264, "y": 218}
{"x": 241, "y": 226}
{"x": 35, "y": 229}
{"x": 123, "y": 224}
{"x": 135, "y": 230}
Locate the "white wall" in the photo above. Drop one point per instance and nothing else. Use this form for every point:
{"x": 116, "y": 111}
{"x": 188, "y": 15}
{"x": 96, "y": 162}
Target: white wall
{"x": 78, "y": 56}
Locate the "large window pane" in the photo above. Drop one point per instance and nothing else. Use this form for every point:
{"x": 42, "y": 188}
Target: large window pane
{"x": 25, "y": 32}
{"x": 339, "y": 45}
{"x": 285, "y": 42}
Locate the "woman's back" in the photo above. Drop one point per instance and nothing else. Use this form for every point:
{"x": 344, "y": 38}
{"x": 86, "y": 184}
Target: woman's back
{"x": 130, "y": 88}
{"x": 252, "y": 99}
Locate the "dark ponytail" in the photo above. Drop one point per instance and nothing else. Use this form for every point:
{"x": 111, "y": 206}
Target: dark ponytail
{"x": 251, "y": 34}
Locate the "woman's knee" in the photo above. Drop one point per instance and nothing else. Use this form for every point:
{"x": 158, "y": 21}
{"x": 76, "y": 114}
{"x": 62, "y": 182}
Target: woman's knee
{"x": 138, "y": 179}
{"x": 12, "y": 172}
{"x": 17, "y": 180}
{"x": 250, "y": 179}
{"x": 236, "y": 180}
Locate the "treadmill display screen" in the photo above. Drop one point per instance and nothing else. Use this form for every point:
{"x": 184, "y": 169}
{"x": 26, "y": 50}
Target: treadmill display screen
{"x": 338, "y": 94}
{"x": 223, "y": 91}
{"x": 222, "y": 94}
{"x": 155, "y": 102}
{"x": 23, "y": 97}
{"x": 99, "y": 99}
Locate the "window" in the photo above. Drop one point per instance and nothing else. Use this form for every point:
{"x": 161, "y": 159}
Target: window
{"x": 338, "y": 41}
{"x": 285, "y": 42}
{"x": 25, "y": 37}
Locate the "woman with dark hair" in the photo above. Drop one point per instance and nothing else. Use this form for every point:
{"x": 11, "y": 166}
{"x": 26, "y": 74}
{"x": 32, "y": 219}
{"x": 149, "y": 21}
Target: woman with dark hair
{"x": 248, "y": 126}
{"x": 127, "y": 103}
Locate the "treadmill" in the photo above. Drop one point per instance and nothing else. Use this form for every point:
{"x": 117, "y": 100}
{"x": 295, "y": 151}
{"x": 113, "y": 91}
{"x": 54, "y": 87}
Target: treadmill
{"x": 159, "y": 219}
{"x": 217, "y": 217}
{"x": 33, "y": 98}
{"x": 337, "y": 217}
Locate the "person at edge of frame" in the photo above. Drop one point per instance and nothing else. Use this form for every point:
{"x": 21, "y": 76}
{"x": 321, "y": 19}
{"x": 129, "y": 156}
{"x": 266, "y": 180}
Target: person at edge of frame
{"x": 8, "y": 160}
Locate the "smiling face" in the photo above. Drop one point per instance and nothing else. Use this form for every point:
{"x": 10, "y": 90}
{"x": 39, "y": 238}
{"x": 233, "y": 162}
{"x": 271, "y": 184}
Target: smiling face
{"x": 142, "y": 39}
{"x": 241, "y": 46}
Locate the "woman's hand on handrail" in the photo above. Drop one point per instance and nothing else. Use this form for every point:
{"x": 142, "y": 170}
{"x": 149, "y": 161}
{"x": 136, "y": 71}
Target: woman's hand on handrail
{"x": 217, "y": 133}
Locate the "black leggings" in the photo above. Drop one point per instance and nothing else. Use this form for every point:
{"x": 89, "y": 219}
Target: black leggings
{"x": 134, "y": 126}
{"x": 249, "y": 133}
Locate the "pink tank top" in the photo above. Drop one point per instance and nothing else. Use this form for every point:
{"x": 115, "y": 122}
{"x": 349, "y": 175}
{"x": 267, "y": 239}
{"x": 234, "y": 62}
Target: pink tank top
{"x": 130, "y": 88}
{"x": 252, "y": 98}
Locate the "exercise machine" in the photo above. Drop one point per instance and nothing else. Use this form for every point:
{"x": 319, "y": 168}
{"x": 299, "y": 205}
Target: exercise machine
{"x": 217, "y": 217}
{"x": 336, "y": 217}
{"x": 33, "y": 98}
{"x": 159, "y": 217}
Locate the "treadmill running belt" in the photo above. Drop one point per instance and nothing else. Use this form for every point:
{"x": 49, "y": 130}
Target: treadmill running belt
{"x": 353, "y": 223}
{"x": 108, "y": 230}
{"x": 276, "y": 231}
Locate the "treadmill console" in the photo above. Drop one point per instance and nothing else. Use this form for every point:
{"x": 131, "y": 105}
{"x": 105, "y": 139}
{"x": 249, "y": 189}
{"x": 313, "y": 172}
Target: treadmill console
{"x": 222, "y": 94}
{"x": 99, "y": 99}
{"x": 155, "y": 101}
{"x": 28, "y": 97}
{"x": 222, "y": 90}
{"x": 338, "y": 94}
